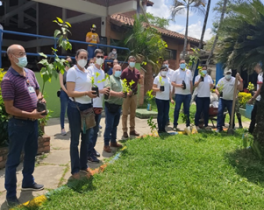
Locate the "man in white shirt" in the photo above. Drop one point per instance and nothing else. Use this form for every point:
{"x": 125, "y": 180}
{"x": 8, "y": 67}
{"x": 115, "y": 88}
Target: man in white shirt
{"x": 225, "y": 90}
{"x": 98, "y": 74}
{"x": 169, "y": 75}
{"x": 183, "y": 85}
{"x": 256, "y": 96}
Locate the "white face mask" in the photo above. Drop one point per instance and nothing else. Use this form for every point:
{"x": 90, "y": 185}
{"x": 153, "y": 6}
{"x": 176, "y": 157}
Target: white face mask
{"x": 163, "y": 73}
{"x": 228, "y": 76}
{"x": 82, "y": 63}
{"x": 99, "y": 61}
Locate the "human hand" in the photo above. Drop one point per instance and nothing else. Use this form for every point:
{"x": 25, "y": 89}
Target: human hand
{"x": 91, "y": 94}
{"x": 121, "y": 95}
{"x": 105, "y": 91}
{"x": 41, "y": 99}
{"x": 130, "y": 93}
{"x": 250, "y": 101}
{"x": 37, "y": 115}
{"x": 172, "y": 101}
{"x": 141, "y": 76}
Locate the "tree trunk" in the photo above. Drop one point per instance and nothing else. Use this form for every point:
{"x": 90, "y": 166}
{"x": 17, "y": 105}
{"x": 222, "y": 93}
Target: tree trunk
{"x": 205, "y": 23}
{"x": 259, "y": 131}
{"x": 186, "y": 32}
{"x": 216, "y": 37}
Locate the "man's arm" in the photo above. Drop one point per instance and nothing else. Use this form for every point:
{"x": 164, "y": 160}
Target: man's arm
{"x": 98, "y": 39}
{"x": 88, "y": 38}
{"x": 257, "y": 93}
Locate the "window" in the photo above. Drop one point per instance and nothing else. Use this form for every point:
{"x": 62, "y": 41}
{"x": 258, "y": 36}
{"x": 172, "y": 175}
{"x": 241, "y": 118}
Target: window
{"x": 170, "y": 54}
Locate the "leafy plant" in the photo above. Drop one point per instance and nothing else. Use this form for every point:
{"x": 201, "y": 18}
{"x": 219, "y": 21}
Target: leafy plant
{"x": 221, "y": 87}
{"x": 43, "y": 122}
{"x": 243, "y": 98}
{"x": 127, "y": 87}
{"x": 161, "y": 81}
{"x": 251, "y": 86}
{"x": 149, "y": 96}
{"x": 3, "y": 114}
{"x": 152, "y": 124}
{"x": 50, "y": 70}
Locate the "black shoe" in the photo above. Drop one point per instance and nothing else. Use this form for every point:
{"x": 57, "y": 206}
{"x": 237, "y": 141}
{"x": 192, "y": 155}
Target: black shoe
{"x": 34, "y": 187}
{"x": 97, "y": 154}
{"x": 93, "y": 159}
{"x": 12, "y": 202}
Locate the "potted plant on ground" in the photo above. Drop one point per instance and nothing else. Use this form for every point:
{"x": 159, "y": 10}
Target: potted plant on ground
{"x": 149, "y": 99}
{"x": 153, "y": 127}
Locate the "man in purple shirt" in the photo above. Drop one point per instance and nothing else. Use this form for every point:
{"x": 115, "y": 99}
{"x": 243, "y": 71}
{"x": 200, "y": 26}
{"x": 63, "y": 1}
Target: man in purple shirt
{"x": 130, "y": 103}
{"x": 20, "y": 91}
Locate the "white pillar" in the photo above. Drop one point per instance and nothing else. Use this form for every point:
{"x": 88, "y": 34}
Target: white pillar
{"x": 103, "y": 26}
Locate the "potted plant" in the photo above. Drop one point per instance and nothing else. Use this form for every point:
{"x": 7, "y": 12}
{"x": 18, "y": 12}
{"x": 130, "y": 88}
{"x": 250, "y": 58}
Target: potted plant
{"x": 153, "y": 127}
{"x": 250, "y": 88}
{"x": 127, "y": 87}
{"x": 220, "y": 88}
{"x": 149, "y": 99}
{"x": 107, "y": 77}
{"x": 201, "y": 74}
{"x": 162, "y": 88}
{"x": 94, "y": 86}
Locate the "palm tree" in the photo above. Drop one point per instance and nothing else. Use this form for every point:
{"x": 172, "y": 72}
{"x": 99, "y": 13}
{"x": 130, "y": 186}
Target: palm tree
{"x": 205, "y": 23}
{"x": 217, "y": 35}
{"x": 243, "y": 46}
{"x": 180, "y": 6}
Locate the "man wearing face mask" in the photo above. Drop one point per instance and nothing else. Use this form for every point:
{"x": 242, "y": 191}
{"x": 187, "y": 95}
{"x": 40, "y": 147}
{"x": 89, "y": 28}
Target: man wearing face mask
{"x": 130, "y": 103}
{"x": 182, "y": 83}
{"x": 98, "y": 74}
{"x": 112, "y": 55}
{"x": 113, "y": 109}
{"x": 20, "y": 91}
{"x": 225, "y": 90}
{"x": 92, "y": 37}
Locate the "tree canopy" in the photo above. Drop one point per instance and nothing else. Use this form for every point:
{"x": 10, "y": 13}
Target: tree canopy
{"x": 153, "y": 20}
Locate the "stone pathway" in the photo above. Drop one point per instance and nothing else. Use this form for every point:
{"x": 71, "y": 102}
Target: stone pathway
{"x": 53, "y": 169}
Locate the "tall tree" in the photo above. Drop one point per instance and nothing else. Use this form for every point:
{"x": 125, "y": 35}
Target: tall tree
{"x": 153, "y": 20}
{"x": 217, "y": 35}
{"x": 205, "y": 23}
{"x": 180, "y": 6}
{"x": 243, "y": 47}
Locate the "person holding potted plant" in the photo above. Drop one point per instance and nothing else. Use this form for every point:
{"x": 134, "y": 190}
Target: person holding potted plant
{"x": 64, "y": 98}
{"x": 204, "y": 84}
{"x": 79, "y": 89}
{"x": 162, "y": 87}
{"x": 130, "y": 102}
{"x": 226, "y": 85}
{"x": 98, "y": 76}
{"x": 256, "y": 97}
{"x": 113, "y": 109}
{"x": 20, "y": 92}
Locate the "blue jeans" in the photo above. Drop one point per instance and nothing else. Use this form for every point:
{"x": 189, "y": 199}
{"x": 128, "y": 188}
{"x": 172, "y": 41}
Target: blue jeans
{"x": 91, "y": 50}
{"x": 78, "y": 162}
{"x": 186, "y": 100}
{"x": 94, "y": 134}
{"x": 221, "y": 107}
{"x": 202, "y": 106}
{"x": 163, "y": 112}
{"x": 64, "y": 99}
{"x": 111, "y": 123}
{"x": 23, "y": 135}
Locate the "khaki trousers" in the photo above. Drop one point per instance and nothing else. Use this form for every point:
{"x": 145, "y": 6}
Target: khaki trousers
{"x": 129, "y": 103}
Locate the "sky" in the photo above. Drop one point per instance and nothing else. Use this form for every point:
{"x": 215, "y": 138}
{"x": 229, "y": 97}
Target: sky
{"x": 161, "y": 8}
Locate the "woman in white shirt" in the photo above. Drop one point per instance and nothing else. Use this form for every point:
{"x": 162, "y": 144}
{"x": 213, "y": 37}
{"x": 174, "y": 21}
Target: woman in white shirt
{"x": 203, "y": 85}
{"x": 162, "y": 87}
{"x": 79, "y": 90}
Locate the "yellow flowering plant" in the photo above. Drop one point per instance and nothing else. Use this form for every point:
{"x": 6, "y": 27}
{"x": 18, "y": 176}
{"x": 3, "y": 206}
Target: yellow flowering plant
{"x": 243, "y": 98}
{"x": 251, "y": 86}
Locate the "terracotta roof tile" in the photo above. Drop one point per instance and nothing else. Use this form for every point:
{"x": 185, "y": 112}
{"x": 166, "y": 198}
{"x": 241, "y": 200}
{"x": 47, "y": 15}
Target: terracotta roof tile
{"x": 121, "y": 20}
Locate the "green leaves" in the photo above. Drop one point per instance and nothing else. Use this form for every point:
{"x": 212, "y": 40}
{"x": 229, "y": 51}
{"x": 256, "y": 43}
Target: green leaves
{"x": 56, "y": 33}
{"x": 43, "y": 55}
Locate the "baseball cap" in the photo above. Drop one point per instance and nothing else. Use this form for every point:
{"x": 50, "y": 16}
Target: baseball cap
{"x": 229, "y": 71}
{"x": 93, "y": 26}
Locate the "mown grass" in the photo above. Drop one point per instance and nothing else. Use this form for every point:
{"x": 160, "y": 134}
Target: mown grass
{"x": 200, "y": 172}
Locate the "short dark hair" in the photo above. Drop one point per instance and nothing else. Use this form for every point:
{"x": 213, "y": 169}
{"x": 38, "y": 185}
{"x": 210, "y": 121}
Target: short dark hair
{"x": 79, "y": 51}
{"x": 204, "y": 66}
{"x": 182, "y": 59}
{"x": 163, "y": 67}
{"x": 98, "y": 51}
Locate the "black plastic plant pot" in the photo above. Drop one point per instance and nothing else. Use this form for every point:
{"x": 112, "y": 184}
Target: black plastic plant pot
{"x": 162, "y": 88}
{"x": 221, "y": 94}
{"x": 202, "y": 78}
{"x": 42, "y": 107}
{"x": 96, "y": 90}
{"x": 106, "y": 96}
{"x": 125, "y": 94}
{"x": 184, "y": 85}
{"x": 252, "y": 93}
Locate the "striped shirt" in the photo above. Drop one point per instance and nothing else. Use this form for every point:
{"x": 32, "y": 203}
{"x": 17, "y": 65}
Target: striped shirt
{"x": 18, "y": 88}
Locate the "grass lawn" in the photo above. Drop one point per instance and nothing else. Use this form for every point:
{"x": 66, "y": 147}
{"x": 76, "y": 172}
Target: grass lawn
{"x": 200, "y": 172}
{"x": 192, "y": 113}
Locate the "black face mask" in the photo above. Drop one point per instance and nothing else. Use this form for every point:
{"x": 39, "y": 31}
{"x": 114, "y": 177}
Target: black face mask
{"x": 93, "y": 30}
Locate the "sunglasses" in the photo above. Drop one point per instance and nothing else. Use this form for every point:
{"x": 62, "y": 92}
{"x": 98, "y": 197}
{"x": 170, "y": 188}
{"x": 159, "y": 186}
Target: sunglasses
{"x": 100, "y": 57}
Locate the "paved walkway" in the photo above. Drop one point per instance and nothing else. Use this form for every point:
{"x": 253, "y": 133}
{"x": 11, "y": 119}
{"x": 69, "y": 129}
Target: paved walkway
{"x": 53, "y": 169}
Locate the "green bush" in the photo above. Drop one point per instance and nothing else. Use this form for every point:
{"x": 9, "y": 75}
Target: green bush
{"x": 3, "y": 115}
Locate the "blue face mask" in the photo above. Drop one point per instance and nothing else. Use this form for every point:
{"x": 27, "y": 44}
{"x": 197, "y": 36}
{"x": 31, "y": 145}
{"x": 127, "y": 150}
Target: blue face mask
{"x": 167, "y": 65}
{"x": 228, "y": 76}
{"x": 182, "y": 65}
{"x": 132, "y": 64}
{"x": 22, "y": 62}
{"x": 204, "y": 72}
{"x": 118, "y": 74}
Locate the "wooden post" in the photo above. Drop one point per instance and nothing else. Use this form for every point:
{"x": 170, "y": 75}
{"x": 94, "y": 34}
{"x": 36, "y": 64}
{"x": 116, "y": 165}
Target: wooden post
{"x": 233, "y": 107}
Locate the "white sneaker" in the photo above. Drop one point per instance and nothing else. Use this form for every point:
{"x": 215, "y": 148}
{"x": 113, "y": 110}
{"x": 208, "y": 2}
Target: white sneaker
{"x": 63, "y": 132}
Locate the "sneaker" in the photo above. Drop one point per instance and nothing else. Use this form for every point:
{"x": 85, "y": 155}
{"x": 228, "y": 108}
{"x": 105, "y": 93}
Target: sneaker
{"x": 116, "y": 145}
{"x": 97, "y": 154}
{"x": 107, "y": 149}
{"x": 34, "y": 187}
{"x": 175, "y": 128}
{"x": 207, "y": 128}
{"x": 168, "y": 123}
{"x": 63, "y": 132}
{"x": 218, "y": 131}
{"x": 125, "y": 135}
{"x": 88, "y": 172}
{"x": 12, "y": 202}
{"x": 93, "y": 159}
{"x": 134, "y": 133}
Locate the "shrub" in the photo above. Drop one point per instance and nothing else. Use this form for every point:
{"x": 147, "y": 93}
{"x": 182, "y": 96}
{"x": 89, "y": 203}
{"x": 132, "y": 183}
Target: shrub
{"x": 243, "y": 98}
{"x": 3, "y": 115}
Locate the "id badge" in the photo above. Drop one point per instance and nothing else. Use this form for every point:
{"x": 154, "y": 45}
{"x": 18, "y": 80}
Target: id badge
{"x": 31, "y": 89}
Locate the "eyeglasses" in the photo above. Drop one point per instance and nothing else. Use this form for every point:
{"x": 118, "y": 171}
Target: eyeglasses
{"x": 100, "y": 57}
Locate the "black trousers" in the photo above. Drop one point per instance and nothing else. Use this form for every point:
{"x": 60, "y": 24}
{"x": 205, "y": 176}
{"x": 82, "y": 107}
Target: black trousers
{"x": 253, "y": 118}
